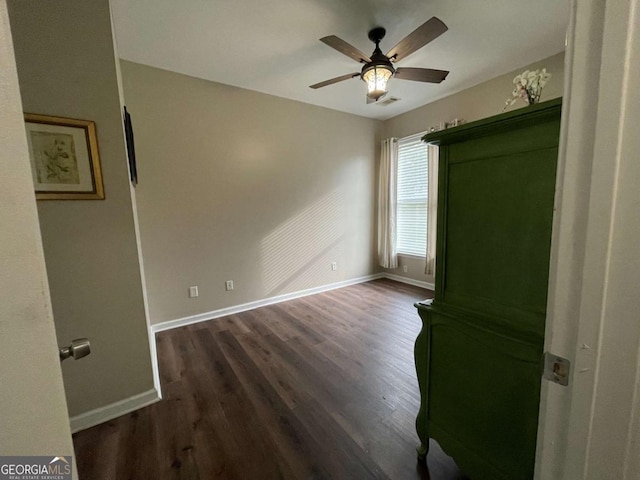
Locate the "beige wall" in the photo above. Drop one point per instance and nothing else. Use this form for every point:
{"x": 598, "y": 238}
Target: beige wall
{"x": 243, "y": 186}
{"x": 34, "y": 413}
{"x": 482, "y": 101}
{"x": 66, "y": 66}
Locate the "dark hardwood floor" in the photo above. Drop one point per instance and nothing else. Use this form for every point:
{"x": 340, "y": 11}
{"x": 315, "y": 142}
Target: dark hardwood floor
{"x": 319, "y": 387}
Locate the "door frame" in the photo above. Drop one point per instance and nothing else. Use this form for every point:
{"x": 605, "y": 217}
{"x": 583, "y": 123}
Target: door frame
{"x": 587, "y": 430}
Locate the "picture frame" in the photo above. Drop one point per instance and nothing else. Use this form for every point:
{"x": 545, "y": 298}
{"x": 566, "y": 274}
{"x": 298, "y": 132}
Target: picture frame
{"x": 65, "y": 162}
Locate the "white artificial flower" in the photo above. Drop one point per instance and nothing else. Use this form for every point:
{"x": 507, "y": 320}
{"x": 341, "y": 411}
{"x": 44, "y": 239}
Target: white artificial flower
{"x": 544, "y": 76}
{"x": 528, "y": 86}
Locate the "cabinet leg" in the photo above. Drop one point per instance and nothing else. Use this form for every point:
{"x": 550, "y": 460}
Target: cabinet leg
{"x": 422, "y": 369}
{"x": 423, "y": 450}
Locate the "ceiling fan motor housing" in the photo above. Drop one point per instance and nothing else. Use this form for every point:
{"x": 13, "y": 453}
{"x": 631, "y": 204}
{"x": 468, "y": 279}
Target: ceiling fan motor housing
{"x": 382, "y": 61}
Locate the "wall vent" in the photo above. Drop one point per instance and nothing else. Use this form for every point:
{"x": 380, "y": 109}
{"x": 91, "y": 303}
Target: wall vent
{"x": 388, "y": 101}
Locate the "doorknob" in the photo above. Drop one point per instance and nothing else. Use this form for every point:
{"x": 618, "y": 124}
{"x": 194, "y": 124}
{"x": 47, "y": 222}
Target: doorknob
{"x": 80, "y": 347}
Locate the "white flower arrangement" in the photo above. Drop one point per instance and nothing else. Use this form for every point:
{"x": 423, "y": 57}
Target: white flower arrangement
{"x": 528, "y": 87}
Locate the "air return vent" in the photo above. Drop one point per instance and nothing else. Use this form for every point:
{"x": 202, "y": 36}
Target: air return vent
{"x": 388, "y": 101}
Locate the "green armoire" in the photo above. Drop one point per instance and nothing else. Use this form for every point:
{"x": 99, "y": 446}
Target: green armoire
{"x": 479, "y": 353}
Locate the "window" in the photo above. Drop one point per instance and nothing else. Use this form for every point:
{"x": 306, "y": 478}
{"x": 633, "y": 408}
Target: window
{"x": 413, "y": 191}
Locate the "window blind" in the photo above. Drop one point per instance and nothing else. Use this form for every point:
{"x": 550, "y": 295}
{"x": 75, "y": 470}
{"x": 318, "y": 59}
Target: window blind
{"x": 413, "y": 191}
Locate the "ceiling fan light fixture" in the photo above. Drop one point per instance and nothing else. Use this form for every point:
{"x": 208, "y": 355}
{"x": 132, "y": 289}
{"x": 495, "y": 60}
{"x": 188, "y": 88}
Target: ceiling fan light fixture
{"x": 378, "y": 69}
{"x": 377, "y": 78}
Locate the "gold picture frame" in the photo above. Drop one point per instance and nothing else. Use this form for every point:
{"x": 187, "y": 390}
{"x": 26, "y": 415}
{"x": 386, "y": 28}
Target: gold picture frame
{"x": 64, "y": 158}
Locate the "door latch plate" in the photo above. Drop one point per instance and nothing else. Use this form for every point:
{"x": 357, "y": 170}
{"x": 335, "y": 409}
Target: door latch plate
{"x": 556, "y": 369}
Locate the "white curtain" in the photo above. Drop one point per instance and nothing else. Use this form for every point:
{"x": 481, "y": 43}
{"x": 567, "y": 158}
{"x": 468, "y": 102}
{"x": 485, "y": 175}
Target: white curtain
{"x": 387, "y": 198}
{"x": 432, "y": 209}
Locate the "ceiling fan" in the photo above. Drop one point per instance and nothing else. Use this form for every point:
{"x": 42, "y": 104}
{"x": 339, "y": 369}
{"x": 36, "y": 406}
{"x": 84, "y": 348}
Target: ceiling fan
{"x": 378, "y": 68}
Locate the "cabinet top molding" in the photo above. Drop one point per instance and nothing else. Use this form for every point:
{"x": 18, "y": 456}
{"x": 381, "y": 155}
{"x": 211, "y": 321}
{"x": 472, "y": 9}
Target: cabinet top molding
{"x": 526, "y": 116}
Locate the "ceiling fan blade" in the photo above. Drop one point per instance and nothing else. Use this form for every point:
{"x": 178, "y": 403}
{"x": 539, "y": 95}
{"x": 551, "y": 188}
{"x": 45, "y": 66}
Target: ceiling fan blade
{"x": 425, "y": 33}
{"x": 335, "y": 80}
{"x": 421, "y": 74}
{"x": 345, "y": 48}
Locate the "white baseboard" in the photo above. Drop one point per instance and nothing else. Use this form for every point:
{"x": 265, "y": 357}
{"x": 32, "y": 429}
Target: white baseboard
{"x": 155, "y": 367}
{"x": 410, "y": 281}
{"x": 201, "y": 317}
{"x": 114, "y": 410}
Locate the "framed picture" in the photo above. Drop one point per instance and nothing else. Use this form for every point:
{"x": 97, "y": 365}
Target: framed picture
{"x": 64, "y": 158}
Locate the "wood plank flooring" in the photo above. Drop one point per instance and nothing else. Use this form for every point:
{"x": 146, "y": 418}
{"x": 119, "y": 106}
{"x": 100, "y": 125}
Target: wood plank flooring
{"x": 315, "y": 388}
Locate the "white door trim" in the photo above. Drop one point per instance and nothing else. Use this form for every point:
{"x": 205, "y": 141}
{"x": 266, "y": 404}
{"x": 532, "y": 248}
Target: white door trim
{"x": 585, "y": 429}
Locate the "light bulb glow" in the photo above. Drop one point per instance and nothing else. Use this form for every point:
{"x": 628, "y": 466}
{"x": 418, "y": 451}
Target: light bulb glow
{"x": 376, "y": 79}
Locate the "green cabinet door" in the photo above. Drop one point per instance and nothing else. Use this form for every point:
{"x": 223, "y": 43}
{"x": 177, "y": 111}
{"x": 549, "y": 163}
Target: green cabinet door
{"x": 479, "y": 353}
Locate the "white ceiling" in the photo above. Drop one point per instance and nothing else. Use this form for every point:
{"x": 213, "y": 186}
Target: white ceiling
{"x": 272, "y": 46}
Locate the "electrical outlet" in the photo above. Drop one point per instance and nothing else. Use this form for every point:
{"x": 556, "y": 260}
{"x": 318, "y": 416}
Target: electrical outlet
{"x": 334, "y": 266}
{"x": 228, "y": 285}
{"x": 193, "y": 292}
{"x": 405, "y": 268}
